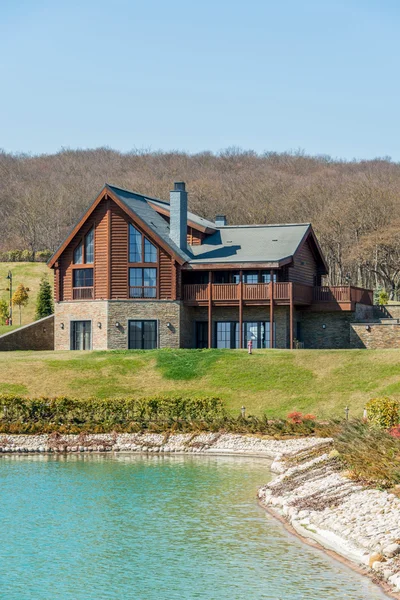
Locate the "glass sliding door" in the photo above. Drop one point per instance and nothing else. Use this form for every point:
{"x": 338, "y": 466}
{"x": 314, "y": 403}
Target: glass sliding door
{"x": 142, "y": 335}
{"x": 227, "y": 334}
{"x": 81, "y": 335}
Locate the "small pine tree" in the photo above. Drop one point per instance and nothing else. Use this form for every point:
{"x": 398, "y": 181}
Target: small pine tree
{"x": 44, "y": 300}
{"x": 20, "y": 298}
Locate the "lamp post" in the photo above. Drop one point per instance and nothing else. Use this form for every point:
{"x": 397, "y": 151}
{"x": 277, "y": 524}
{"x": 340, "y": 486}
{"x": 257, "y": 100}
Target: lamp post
{"x": 10, "y": 277}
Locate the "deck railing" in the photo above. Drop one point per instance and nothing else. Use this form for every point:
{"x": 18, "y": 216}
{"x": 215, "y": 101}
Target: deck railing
{"x": 82, "y": 293}
{"x": 302, "y": 294}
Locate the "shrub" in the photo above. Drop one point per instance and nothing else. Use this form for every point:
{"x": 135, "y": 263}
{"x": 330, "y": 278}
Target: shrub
{"x": 395, "y": 431}
{"x": 369, "y": 452}
{"x": 93, "y": 414}
{"x": 295, "y": 417}
{"x": 383, "y": 412}
{"x": 309, "y": 418}
{"x": 383, "y": 297}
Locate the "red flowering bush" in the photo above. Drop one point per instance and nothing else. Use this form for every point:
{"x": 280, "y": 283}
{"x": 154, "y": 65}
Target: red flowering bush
{"x": 295, "y": 417}
{"x": 395, "y": 431}
{"x": 309, "y": 418}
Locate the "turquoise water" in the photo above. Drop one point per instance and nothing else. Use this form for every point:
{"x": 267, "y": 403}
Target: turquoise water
{"x": 153, "y": 528}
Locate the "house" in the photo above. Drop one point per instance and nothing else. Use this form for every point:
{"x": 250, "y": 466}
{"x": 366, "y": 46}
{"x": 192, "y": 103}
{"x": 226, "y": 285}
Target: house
{"x": 139, "y": 272}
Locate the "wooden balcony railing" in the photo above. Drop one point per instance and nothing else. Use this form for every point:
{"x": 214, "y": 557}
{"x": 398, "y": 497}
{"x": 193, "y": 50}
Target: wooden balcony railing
{"x": 225, "y": 291}
{"x": 195, "y": 292}
{"x": 283, "y": 291}
{"x": 256, "y": 291}
{"x": 82, "y": 293}
{"x": 343, "y": 293}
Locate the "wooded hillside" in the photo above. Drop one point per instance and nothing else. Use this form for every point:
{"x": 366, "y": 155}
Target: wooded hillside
{"x": 354, "y": 206}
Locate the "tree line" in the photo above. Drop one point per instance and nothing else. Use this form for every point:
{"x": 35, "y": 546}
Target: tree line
{"x": 353, "y": 205}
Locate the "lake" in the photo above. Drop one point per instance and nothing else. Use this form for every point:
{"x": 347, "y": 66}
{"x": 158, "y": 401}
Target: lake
{"x": 126, "y": 526}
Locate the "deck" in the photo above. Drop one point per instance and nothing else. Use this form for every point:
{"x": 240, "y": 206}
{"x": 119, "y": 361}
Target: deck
{"x": 323, "y": 298}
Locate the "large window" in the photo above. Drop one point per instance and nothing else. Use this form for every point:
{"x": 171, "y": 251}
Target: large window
{"x": 89, "y": 247}
{"x": 227, "y": 334}
{"x": 81, "y": 335}
{"x": 84, "y": 251}
{"x": 140, "y": 249}
{"x": 82, "y": 278}
{"x": 142, "y": 335}
{"x": 78, "y": 254}
{"x": 142, "y": 282}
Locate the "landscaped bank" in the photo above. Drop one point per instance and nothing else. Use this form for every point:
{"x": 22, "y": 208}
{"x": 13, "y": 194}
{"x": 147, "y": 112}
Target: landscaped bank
{"x": 360, "y": 524}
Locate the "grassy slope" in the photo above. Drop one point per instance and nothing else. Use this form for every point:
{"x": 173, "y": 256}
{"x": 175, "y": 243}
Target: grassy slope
{"x": 29, "y": 274}
{"x": 275, "y": 382}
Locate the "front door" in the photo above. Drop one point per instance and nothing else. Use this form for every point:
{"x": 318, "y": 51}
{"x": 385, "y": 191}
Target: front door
{"x": 81, "y": 335}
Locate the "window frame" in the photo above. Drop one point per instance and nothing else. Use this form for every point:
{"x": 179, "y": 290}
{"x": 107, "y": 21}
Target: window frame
{"x": 82, "y": 243}
{"x": 143, "y": 265}
{"x": 155, "y": 321}
{"x": 142, "y": 287}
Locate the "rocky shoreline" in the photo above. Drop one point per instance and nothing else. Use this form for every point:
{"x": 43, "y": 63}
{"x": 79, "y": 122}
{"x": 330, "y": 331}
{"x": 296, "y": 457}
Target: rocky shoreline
{"x": 310, "y": 493}
{"x": 321, "y": 504}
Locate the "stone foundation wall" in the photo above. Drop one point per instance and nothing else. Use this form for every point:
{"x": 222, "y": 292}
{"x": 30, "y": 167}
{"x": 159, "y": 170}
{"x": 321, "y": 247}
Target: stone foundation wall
{"x": 66, "y": 312}
{"x": 375, "y": 335}
{"x": 36, "y": 336}
{"x": 162, "y": 311}
{"x": 325, "y": 330}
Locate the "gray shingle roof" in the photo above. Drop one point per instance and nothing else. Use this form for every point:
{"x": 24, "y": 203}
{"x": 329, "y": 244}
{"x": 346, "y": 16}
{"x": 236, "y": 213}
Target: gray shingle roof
{"x": 138, "y": 204}
{"x": 252, "y": 243}
{"x": 191, "y": 216}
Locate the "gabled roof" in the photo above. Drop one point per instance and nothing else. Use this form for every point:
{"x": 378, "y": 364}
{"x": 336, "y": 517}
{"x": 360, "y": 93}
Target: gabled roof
{"x": 251, "y": 243}
{"x": 137, "y": 207}
{"x": 274, "y": 245}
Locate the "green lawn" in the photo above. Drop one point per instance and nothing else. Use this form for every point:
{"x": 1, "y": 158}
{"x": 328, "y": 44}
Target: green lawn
{"x": 29, "y": 274}
{"x": 269, "y": 381}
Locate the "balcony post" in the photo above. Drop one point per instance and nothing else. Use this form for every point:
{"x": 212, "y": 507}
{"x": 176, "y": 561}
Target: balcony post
{"x": 291, "y": 315}
{"x": 271, "y": 311}
{"x": 240, "y": 309}
{"x": 210, "y": 309}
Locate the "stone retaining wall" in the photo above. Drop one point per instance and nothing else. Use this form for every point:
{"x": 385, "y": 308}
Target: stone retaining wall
{"x": 374, "y": 336}
{"x": 35, "y": 336}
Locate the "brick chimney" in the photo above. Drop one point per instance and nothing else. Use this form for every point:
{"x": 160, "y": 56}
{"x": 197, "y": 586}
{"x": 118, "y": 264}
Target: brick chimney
{"x": 178, "y": 212}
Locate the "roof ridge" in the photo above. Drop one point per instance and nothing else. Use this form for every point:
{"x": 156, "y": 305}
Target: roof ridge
{"x": 145, "y": 197}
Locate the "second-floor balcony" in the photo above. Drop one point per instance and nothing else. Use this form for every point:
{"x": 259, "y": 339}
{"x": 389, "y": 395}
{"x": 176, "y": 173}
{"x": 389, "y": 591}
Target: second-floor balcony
{"x": 325, "y": 297}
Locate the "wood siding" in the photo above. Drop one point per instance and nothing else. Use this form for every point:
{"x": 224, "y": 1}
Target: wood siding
{"x": 165, "y": 275}
{"x": 194, "y": 237}
{"x": 111, "y": 251}
{"x": 304, "y": 269}
{"x": 119, "y": 252}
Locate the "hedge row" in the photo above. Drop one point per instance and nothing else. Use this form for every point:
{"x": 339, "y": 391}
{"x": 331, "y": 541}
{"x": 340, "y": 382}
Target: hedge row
{"x": 19, "y": 414}
{"x": 25, "y": 256}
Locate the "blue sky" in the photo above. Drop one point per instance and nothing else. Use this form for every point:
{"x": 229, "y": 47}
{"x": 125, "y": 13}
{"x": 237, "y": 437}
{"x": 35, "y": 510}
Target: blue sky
{"x": 320, "y": 75}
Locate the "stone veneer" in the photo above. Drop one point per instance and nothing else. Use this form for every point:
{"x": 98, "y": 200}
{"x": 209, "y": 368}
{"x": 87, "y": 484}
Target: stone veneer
{"x": 107, "y": 313}
{"x": 163, "y": 311}
{"x": 35, "y": 336}
{"x": 325, "y": 330}
{"x": 66, "y": 312}
{"x": 374, "y": 336}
